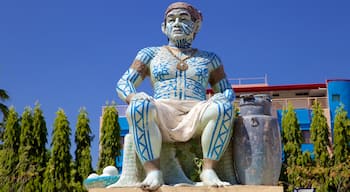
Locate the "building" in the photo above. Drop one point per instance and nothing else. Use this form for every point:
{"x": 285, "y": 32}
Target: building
{"x": 330, "y": 94}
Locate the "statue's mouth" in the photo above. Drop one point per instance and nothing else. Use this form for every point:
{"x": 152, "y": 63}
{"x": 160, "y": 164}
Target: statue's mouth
{"x": 177, "y": 30}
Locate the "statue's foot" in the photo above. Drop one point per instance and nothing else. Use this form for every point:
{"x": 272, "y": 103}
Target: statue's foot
{"x": 209, "y": 178}
{"x": 153, "y": 181}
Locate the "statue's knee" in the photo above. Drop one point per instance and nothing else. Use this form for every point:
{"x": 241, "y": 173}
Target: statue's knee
{"x": 141, "y": 109}
{"x": 220, "y": 109}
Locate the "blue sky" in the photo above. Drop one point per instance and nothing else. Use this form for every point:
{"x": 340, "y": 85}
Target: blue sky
{"x": 70, "y": 54}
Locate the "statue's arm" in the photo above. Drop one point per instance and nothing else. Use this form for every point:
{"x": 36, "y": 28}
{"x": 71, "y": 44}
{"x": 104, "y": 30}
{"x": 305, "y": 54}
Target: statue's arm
{"x": 138, "y": 71}
{"x": 218, "y": 81}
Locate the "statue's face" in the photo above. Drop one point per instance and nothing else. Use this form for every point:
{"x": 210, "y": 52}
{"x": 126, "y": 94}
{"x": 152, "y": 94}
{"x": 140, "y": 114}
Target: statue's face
{"x": 179, "y": 25}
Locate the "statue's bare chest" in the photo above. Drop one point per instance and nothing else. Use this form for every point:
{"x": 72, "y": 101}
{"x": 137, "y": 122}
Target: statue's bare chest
{"x": 165, "y": 66}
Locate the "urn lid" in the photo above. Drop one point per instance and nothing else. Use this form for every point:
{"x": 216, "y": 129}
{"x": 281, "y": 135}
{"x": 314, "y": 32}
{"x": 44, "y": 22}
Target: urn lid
{"x": 254, "y": 99}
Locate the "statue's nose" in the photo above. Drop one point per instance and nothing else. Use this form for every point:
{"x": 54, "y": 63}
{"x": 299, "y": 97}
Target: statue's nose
{"x": 177, "y": 22}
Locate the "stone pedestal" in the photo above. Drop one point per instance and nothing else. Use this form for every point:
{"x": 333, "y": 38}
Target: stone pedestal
{"x": 233, "y": 188}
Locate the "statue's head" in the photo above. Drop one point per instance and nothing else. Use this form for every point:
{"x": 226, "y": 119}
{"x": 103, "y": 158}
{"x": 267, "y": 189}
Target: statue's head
{"x": 181, "y": 23}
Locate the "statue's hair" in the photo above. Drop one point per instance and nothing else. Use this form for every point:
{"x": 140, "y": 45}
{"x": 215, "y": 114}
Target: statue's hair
{"x": 195, "y": 13}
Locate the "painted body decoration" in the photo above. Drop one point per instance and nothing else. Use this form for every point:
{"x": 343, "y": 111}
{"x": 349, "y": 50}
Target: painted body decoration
{"x": 177, "y": 87}
{"x": 178, "y": 110}
{"x": 172, "y": 83}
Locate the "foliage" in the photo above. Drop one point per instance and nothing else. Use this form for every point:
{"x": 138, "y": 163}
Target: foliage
{"x": 57, "y": 175}
{"x": 26, "y": 171}
{"x": 324, "y": 177}
{"x": 190, "y": 157}
{"x": 40, "y": 136}
{"x": 320, "y": 135}
{"x": 291, "y": 136}
{"x": 3, "y": 97}
{"x": 236, "y": 111}
{"x": 83, "y": 140}
{"x": 109, "y": 138}
{"x": 9, "y": 152}
{"x": 4, "y": 110}
{"x": 292, "y": 140}
{"x": 339, "y": 176}
{"x": 341, "y": 137}
{"x": 32, "y": 150}
{"x": 198, "y": 169}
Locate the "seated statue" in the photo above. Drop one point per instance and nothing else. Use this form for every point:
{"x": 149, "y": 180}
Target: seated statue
{"x": 179, "y": 110}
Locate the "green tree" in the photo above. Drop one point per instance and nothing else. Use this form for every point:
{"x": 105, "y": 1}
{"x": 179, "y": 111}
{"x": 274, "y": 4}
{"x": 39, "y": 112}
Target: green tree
{"x": 339, "y": 173}
{"x": 341, "y": 142}
{"x": 83, "y": 140}
{"x": 26, "y": 151}
{"x": 4, "y": 110}
{"x": 40, "y": 140}
{"x": 320, "y": 135}
{"x": 109, "y": 138}
{"x": 57, "y": 175}
{"x": 291, "y": 136}
{"x": 32, "y": 150}
{"x": 293, "y": 158}
{"x": 9, "y": 152}
{"x": 3, "y": 97}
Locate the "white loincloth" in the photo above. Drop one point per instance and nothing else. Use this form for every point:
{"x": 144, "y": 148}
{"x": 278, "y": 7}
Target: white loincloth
{"x": 179, "y": 120}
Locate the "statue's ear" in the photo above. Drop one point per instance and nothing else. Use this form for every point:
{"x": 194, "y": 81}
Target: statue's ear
{"x": 163, "y": 28}
{"x": 197, "y": 26}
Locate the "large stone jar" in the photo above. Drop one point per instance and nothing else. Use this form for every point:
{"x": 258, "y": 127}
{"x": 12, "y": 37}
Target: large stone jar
{"x": 256, "y": 142}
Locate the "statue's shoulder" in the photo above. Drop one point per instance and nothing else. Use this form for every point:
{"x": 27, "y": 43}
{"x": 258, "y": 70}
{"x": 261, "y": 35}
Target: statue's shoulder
{"x": 149, "y": 50}
{"x": 212, "y": 57}
{"x": 206, "y": 54}
{"x": 146, "y": 54}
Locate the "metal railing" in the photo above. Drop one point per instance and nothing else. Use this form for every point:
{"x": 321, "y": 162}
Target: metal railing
{"x": 248, "y": 81}
{"x": 299, "y": 102}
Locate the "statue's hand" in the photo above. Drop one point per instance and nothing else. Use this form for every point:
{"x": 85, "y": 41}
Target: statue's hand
{"x": 141, "y": 96}
{"x": 218, "y": 97}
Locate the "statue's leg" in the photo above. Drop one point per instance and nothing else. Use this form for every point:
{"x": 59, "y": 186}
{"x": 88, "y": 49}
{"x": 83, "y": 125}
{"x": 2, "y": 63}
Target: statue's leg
{"x": 225, "y": 168}
{"x": 217, "y": 123}
{"x": 132, "y": 169}
{"x": 142, "y": 118}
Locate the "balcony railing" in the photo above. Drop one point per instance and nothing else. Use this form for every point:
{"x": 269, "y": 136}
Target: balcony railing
{"x": 248, "y": 81}
{"x": 299, "y": 102}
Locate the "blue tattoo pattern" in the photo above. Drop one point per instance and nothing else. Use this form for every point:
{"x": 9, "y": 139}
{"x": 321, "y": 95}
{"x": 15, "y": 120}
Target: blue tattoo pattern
{"x": 222, "y": 131}
{"x": 139, "y": 114}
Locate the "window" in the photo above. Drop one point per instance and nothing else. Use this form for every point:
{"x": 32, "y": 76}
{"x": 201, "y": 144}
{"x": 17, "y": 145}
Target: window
{"x": 306, "y": 135}
{"x": 336, "y": 97}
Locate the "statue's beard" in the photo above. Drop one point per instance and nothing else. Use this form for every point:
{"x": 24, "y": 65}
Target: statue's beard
{"x": 183, "y": 42}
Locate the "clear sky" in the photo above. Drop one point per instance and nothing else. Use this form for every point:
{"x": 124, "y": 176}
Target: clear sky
{"x": 70, "y": 53}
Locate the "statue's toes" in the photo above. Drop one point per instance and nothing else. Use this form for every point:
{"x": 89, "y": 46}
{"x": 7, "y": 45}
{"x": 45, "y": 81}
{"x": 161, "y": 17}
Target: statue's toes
{"x": 152, "y": 181}
{"x": 155, "y": 184}
{"x": 216, "y": 183}
{"x": 144, "y": 186}
{"x": 150, "y": 187}
{"x": 209, "y": 178}
{"x": 223, "y": 183}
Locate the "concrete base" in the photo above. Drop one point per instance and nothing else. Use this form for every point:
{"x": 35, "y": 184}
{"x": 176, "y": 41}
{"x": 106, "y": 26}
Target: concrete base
{"x": 233, "y": 188}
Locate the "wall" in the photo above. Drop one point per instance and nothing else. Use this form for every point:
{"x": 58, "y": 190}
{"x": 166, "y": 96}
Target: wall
{"x": 338, "y": 92}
